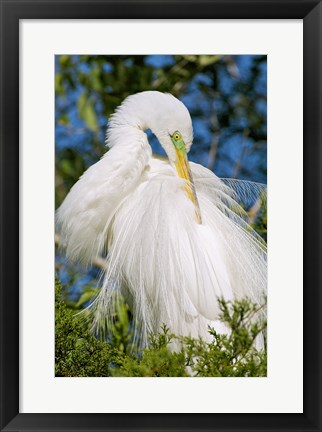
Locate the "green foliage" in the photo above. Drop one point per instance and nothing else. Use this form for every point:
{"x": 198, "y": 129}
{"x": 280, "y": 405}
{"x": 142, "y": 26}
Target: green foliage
{"x": 86, "y": 111}
{"x": 233, "y": 354}
{"x": 79, "y": 353}
{"x": 156, "y": 361}
{"x": 88, "y": 294}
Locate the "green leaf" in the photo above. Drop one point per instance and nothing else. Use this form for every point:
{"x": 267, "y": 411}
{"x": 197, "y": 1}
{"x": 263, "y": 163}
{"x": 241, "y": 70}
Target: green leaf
{"x": 64, "y": 60}
{"x": 81, "y": 103}
{"x": 87, "y": 112}
{"x": 206, "y": 60}
{"x": 88, "y": 294}
{"x": 89, "y": 116}
{"x": 191, "y": 58}
{"x": 63, "y": 120}
{"x": 59, "y": 88}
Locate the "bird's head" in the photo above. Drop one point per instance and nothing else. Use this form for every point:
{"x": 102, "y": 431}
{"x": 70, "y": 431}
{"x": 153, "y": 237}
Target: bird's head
{"x": 166, "y": 116}
{"x": 170, "y": 121}
{"x": 162, "y": 113}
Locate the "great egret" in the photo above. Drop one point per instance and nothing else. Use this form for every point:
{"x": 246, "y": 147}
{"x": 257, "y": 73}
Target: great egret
{"x": 173, "y": 234}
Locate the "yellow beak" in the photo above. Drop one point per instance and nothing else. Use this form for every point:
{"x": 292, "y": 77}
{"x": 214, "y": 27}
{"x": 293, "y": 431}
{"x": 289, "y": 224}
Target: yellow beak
{"x": 184, "y": 171}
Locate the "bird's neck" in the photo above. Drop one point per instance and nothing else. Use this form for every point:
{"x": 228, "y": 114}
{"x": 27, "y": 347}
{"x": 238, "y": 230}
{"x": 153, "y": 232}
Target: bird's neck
{"x": 130, "y": 147}
{"x": 126, "y": 136}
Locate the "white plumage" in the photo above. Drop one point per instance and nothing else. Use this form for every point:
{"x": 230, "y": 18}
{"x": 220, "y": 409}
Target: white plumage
{"x": 135, "y": 208}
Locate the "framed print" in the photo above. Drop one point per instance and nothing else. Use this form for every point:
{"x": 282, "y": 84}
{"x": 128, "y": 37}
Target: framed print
{"x": 223, "y": 79}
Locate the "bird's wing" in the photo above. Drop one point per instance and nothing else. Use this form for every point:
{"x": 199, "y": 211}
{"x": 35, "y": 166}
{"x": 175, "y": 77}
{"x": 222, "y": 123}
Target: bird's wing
{"x": 83, "y": 220}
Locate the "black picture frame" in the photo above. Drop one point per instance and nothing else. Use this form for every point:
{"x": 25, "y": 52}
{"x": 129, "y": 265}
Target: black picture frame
{"x": 11, "y": 12}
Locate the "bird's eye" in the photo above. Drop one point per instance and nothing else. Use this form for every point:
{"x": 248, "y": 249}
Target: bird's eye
{"x": 176, "y": 136}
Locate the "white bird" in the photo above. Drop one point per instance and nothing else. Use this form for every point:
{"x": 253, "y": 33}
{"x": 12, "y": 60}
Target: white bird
{"x": 174, "y": 237}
